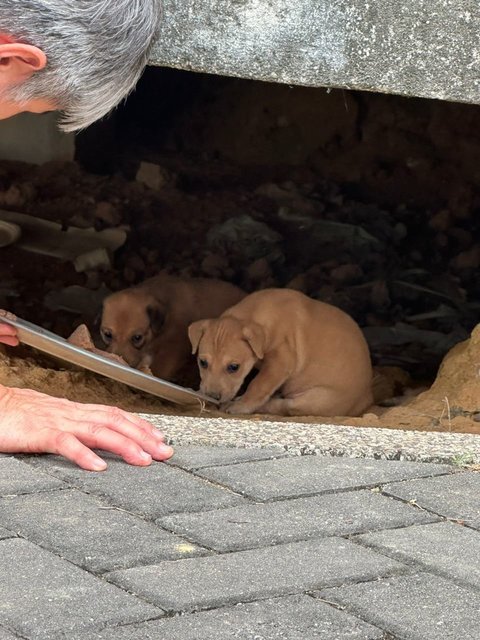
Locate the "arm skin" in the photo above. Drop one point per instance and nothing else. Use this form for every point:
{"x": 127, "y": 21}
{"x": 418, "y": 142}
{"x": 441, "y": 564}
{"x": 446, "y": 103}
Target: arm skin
{"x": 32, "y": 422}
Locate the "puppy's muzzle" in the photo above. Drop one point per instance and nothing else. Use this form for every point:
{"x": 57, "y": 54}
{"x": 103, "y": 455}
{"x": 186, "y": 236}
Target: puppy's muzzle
{"x": 216, "y": 395}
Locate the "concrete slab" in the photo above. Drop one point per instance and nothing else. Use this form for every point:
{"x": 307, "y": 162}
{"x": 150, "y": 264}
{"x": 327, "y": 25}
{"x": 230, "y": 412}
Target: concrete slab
{"x": 413, "y": 607}
{"x": 424, "y": 48}
{"x": 260, "y": 525}
{"x": 151, "y": 491}
{"x": 41, "y": 594}
{"x": 16, "y": 477}
{"x": 454, "y": 496}
{"x": 306, "y": 438}
{"x": 214, "y": 581}
{"x": 89, "y": 532}
{"x": 445, "y": 548}
{"x": 291, "y": 618}
{"x": 310, "y": 475}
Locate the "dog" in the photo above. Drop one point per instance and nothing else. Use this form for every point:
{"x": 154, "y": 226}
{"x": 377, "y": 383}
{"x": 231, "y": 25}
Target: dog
{"x": 312, "y": 358}
{"x": 147, "y": 325}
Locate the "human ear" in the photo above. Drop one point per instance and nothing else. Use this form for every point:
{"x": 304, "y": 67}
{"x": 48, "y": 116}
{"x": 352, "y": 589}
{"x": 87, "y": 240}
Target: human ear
{"x": 19, "y": 61}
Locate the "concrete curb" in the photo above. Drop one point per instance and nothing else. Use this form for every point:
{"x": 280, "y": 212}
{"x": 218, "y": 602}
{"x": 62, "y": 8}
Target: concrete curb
{"x": 311, "y": 439}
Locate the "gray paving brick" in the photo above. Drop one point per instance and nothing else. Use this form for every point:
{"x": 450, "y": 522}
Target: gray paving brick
{"x": 413, "y": 607}
{"x": 41, "y": 594}
{"x": 449, "y": 549}
{"x": 454, "y": 496}
{"x": 6, "y": 635}
{"x": 17, "y": 477}
{"x": 86, "y": 531}
{"x": 260, "y": 525}
{"x": 214, "y": 581}
{"x": 5, "y": 533}
{"x": 290, "y": 618}
{"x": 193, "y": 457}
{"x": 151, "y": 491}
{"x": 309, "y": 475}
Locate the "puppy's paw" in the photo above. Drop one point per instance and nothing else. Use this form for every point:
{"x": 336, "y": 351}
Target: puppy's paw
{"x": 237, "y": 407}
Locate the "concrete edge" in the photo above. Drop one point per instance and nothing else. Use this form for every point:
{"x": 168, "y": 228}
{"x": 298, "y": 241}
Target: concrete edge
{"x": 311, "y": 439}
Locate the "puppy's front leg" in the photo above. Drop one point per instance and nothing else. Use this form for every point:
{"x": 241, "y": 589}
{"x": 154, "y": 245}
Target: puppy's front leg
{"x": 269, "y": 379}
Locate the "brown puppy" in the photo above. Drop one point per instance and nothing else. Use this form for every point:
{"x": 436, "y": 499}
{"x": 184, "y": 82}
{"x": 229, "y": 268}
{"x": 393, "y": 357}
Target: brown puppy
{"x": 312, "y": 357}
{"x": 147, "y": 325}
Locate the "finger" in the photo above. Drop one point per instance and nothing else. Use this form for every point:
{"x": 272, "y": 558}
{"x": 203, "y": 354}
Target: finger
{"x": 7, "y": 330}
{"x": 121, "y": 423}
{"x": 11, "y": 341}
{"x": 67, "y": 445}
{"x": 132, "y": 417}
{"x": 98, "y": 436}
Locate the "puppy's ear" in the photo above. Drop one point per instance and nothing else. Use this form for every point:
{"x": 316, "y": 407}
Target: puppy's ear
{"x": 195, "y": 333}
{"x": 156, "y": 315}
{"x": 255, "y": 336}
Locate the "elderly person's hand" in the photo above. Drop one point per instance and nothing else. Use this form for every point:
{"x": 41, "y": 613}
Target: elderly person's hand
{"x": 32, "y": 422}
{"x": 8, "y": 335}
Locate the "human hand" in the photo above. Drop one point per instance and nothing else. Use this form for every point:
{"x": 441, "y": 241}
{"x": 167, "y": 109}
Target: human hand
{"x": 32, "y": 422}
{"x": 8, "y": 335}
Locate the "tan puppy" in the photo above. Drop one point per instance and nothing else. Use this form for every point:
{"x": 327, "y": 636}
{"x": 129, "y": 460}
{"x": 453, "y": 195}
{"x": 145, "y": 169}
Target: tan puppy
{"x": 312, "y": 357}
{"x": 147, "y": 325}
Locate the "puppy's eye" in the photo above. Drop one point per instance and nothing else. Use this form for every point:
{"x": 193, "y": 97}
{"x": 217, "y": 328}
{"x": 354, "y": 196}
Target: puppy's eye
{"x": 137, "y": 340}
{"x": 203, "y": 363}
{"x": 107, "y": 335}
{"x": 233, "y": 367}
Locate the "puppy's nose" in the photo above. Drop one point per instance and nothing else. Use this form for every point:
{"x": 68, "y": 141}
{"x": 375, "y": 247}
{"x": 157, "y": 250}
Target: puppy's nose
{"x": 215, "y": 395}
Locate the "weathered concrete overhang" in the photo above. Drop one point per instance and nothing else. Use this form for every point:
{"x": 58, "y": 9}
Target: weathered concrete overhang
{"x": 427, "y": 48}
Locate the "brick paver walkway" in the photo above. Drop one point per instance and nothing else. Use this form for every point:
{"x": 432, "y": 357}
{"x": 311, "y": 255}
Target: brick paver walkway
{"x": 245, "y": 544}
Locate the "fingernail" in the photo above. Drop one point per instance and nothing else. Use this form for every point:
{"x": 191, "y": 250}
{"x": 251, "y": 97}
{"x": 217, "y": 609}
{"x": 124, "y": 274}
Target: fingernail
{"x": 157, "y": 434}
{"x": 145, "y": 456}
{"x": 98, "y": 464}
{"x": 165, "y": 450}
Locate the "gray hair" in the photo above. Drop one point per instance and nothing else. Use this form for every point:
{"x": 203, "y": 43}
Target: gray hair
{"x": 96, "y": 51}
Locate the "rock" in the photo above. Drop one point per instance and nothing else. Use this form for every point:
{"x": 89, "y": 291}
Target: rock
{"x": 299, "y": 283}
{"x": 441, "y": 221}
{"x": 463, "y": 237}
{"x": 380, "y": 295}
{"x": 95, "y": 259}
{"x": 12, "y": 197}
{"x": 129, "y": 275}
{"x": 457, "y": 382}
{"x": 469, "y": 259}
{"x": 259, "y": 270}
{"x": 245, "y": 239}
{"x": 136, "y": 263}
{"x": 108, "y": 214}
{"x": 214, "y": 265}
{"x": 288, "y": 194}
{"x": 76, "y": 299}
{"x": 346, "y": 273}
{"x": 152, "y": 256}
{"x": 153, "y": 176}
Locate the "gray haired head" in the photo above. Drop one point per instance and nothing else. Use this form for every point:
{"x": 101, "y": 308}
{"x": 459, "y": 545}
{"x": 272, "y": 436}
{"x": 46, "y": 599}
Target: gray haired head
{"x": 96, "y": 51}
